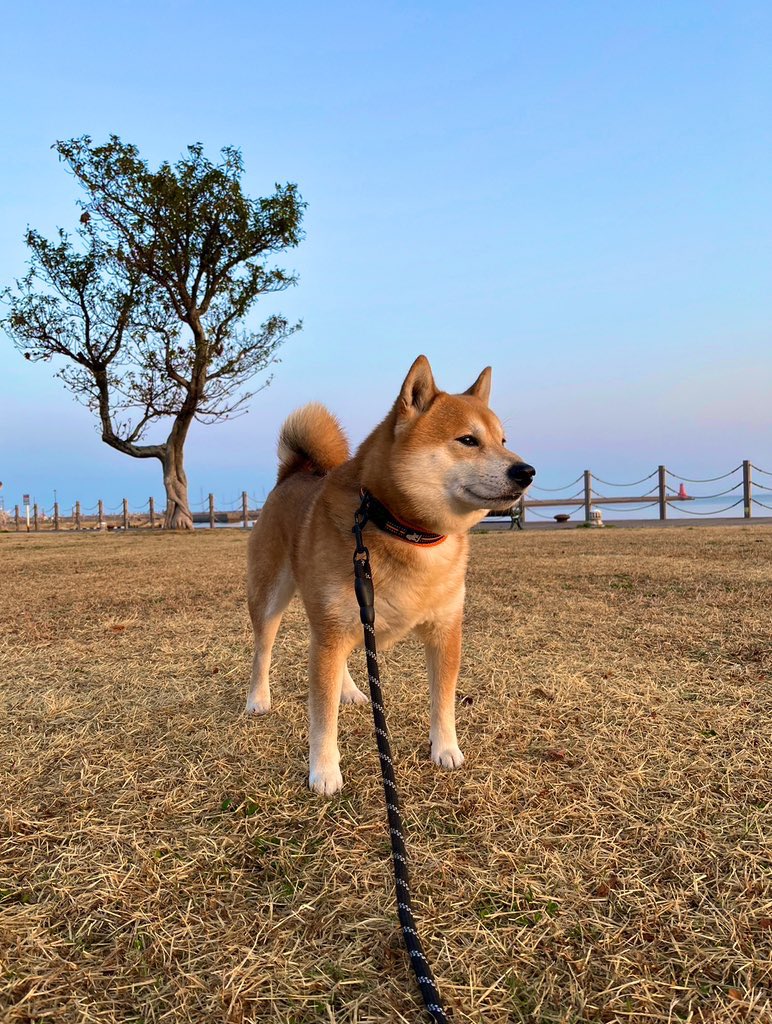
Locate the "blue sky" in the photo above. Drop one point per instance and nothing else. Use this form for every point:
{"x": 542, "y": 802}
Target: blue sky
{"x": 577, "y": 194}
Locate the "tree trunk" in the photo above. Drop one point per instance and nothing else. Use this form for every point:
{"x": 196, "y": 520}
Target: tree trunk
{"x": 178, "y": 515}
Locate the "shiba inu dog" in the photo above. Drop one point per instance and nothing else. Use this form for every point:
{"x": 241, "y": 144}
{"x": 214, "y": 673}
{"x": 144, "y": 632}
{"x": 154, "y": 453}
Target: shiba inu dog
{"x": 427, "y": 473}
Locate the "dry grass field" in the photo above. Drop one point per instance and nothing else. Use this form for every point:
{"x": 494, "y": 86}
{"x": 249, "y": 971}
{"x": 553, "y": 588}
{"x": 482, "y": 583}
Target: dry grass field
{"x": 604, "y": 854}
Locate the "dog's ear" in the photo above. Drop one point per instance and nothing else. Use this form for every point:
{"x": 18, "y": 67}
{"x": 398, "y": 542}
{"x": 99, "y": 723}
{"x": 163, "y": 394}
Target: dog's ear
{"x": 418, "y": 390}
{"x": 482, "y": 386}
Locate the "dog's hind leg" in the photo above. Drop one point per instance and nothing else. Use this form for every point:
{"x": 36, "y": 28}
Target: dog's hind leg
{"x": 350, "y": 692}
{"x": 269, "y": 595}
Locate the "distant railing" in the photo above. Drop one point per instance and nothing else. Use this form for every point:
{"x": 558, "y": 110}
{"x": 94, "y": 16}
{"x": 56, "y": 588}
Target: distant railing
{"x": 662, "y": 495}
{"x": 34, "y": 517}
{"x": 245, "y": 509}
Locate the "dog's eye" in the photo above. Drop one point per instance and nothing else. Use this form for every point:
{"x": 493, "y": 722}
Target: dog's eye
{"x": 503, "y": 440}
{"x": 469, "y": 441}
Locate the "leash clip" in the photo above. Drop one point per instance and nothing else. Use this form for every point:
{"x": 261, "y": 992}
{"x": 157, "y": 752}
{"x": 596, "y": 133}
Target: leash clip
{"x": 361, "y": 550}
{"x": 360, "y": 522}
{"x": 363, "y": 580}
{"x": 363, "y": 588}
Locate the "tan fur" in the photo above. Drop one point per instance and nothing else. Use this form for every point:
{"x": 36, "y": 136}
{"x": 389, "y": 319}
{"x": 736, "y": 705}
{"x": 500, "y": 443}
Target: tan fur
{"x": 414, "y": 464}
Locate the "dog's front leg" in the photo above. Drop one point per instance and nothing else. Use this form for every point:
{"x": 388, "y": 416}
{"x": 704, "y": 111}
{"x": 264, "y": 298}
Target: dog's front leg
{"x": 442, "y": 641}
{"x": 327, "y": 662}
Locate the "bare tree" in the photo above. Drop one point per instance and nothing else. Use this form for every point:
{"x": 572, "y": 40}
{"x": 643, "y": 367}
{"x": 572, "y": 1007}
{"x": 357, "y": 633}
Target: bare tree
{"x": 148, "y": 308}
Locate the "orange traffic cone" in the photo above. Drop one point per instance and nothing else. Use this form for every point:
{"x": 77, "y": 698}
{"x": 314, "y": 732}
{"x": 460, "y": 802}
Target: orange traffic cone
{"x": 682, "y": 491}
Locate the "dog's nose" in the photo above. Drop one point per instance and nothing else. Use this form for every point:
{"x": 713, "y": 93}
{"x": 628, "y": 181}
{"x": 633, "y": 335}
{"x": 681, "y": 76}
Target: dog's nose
{"x": 521, "y": 473}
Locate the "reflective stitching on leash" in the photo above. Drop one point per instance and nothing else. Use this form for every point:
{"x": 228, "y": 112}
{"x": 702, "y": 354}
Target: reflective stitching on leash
{"x": 366, "y": 600}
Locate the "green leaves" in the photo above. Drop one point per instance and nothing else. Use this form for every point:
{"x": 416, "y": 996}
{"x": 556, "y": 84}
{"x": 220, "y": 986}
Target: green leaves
{"x": 188, "y": 226}
{"x": 148, "y": 303}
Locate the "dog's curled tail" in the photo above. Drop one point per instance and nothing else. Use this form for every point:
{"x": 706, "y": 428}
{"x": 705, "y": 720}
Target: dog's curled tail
{"x": 311, "y": 441}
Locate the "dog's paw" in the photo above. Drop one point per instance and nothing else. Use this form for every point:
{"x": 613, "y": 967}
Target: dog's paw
{"x": 354, "y": 696}
{"x": 326, "y": 781}
{"x": 257, "y": 706}
{"x": 448, "y": 757}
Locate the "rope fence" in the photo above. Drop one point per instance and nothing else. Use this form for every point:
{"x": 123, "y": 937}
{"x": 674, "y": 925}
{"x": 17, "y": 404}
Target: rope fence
{"x": 635, "y": 508}
{"x": 36, "y": 516}
{"x": 554, "y": 490}
{"x": 707, "y": 479}
{"x": 633, "y": 484}
{"x": 718, "y": 494}
{"x": 669, "y": 495}
{"x": 597, "y": 496}
{"x": 717, "y": 512}
{"x": 243, "y": 509}
{"x": 232, "y": 504}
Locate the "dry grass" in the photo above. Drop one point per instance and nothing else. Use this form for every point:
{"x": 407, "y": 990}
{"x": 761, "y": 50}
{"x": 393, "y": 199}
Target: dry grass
{"x": 602, "y": 856}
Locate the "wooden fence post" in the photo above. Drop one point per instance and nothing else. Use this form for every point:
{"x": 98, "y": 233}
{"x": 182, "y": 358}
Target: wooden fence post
{"x": 211, "y": 511}
{"x": 56, "y": 515}
{"x": 125, "y": 513}
{"x": 35, "y": 515}
{"x": 77, "y": 515}
{"x": 244, "y": 510}
{"x": 16, "y": 517}
{"x": 522, "y": 508}
{"x": 151, "y": 507}
{"x": 587, "y": 496}
{"x": 662, "y": 492}
{"x": 747, "y": 489}
{"x": 100, "y": 514}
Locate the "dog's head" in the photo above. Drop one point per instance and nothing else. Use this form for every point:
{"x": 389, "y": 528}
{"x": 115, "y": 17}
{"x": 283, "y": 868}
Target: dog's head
{"x": 449, "y": 456}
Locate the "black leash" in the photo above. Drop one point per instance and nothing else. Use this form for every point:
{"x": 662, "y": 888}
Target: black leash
{"x": 363, "y": 585}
